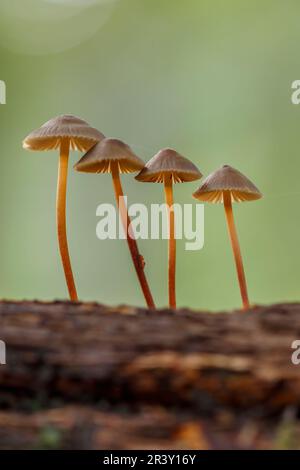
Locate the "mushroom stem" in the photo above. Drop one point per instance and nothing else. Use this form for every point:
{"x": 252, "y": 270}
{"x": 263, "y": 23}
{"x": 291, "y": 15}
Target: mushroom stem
{"x": 236, "y": 248}
{"x": 61, "y": 218}
{"x": 137, "y": 259}
{"x": 172, "y": 242}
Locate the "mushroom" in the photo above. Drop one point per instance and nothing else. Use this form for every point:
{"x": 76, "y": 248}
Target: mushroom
{"x": 169, "y": 167}
{"x": 227, "y": 185}
{"x": 64, "y": 133}
{"x": 115, "y": 157}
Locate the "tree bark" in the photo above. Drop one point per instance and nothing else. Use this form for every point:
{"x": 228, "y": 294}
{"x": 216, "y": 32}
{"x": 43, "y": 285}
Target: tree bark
{"x": 92, "y": 376}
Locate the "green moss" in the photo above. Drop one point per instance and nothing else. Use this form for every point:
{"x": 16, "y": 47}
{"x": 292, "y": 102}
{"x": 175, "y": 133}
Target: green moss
{"x": 50, "y": 438}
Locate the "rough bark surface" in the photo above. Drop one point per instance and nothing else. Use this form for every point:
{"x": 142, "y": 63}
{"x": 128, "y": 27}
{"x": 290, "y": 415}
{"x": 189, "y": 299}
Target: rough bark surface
{"x": 92, "y": 376}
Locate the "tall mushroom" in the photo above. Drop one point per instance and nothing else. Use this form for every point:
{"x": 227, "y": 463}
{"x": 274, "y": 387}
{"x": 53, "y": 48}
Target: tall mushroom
{"x": 115, "y": 157}
{"x": 63, "y": 133}
{"x": 227, "y": 185}
{"x": 169, "y": 167}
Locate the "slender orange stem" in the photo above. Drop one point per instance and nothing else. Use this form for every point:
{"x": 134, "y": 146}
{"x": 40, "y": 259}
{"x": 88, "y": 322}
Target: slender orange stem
{"x": 236, "y": 249}
{"x": 172, "y": 242}
{"x": 61, "y": 218}
{"x": 137, "y": 259}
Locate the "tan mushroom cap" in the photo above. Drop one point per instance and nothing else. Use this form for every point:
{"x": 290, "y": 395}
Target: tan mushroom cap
{"x": 101, "y": 157}
{"x": 50, "y": 135}
{"x": 227, "y": 178}
{"x": 168, "y": 163}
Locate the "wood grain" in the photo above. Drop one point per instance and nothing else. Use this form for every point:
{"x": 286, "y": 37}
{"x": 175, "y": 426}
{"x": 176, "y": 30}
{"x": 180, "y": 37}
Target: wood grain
{"x": 159, "y": 378}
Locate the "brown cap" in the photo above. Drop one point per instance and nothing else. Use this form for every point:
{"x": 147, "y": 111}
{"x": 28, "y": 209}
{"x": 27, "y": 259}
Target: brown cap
{"x": 168, "y": 162}
{"x": 48, "y": 137}
{"x": 100, "y": 158}
{"x": 227, "y": 178}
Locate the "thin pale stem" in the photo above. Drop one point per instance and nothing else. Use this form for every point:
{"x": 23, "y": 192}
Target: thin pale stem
{"x": 172, "y": 243}
{"x": 61, "y": 218}
{"x": 236, "y": 249}
{"x": 137, "y": 259}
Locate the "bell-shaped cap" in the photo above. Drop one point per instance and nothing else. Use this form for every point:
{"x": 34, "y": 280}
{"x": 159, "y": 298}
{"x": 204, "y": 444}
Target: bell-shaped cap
{"x": 230, "y": 180}
{"x": 168, "y": 164}
{"x": 105, "y": 154}
{"x": 50, "y": 135}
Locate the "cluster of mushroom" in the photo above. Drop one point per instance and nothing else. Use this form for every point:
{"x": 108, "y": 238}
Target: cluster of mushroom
{"x": 107, "y": 155}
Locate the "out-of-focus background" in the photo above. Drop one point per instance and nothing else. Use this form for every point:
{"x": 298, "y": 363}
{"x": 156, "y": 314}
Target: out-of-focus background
{"x": 211, "y": 79}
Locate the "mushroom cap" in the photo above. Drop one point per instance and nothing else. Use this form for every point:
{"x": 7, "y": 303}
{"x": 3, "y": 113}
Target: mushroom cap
{"x": 168, "y": 163}
{"x": 50, "y": 135}
{"x": 99, "y": 159}
{"x": 227, "y": 178}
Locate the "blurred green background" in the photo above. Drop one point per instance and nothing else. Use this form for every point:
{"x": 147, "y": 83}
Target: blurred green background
{"x": 211, "y": 79}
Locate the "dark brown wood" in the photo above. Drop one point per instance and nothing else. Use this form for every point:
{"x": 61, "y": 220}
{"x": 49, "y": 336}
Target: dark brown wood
{"x": 88, "y": 376}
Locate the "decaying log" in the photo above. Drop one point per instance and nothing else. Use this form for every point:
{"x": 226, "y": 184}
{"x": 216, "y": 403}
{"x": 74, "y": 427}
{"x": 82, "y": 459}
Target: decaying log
{"x": 98, "y": 375}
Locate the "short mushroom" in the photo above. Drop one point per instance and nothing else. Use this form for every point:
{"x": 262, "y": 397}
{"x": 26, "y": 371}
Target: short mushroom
{"x": 63, "y": 133}
{"x": 169, "y": 167}
{"x": 115, "y": 157}
{"x": 227, "y": 185}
